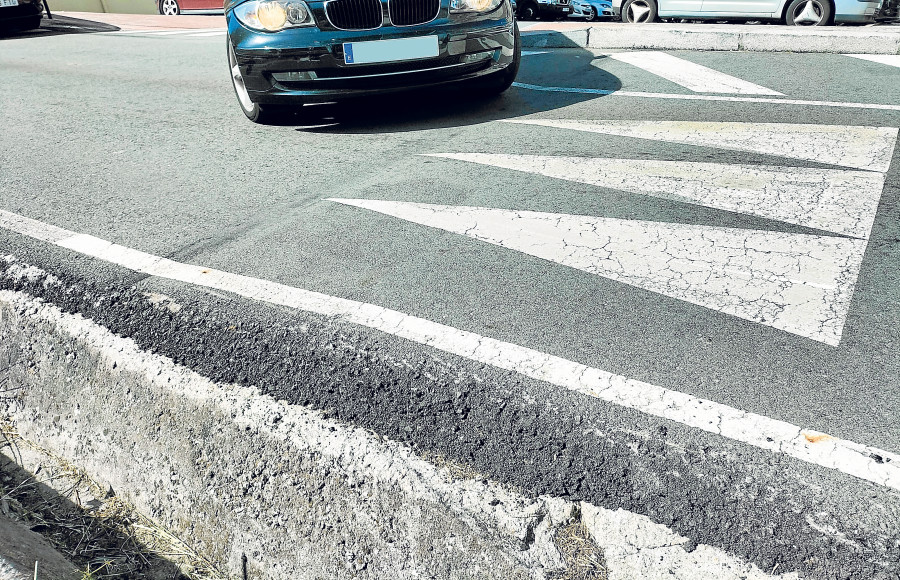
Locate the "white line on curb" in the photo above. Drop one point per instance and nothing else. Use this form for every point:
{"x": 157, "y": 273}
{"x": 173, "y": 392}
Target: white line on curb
{"x": 888, "y": 59}
{"x": 691, "y": 76}
{"x": 707, "y": 97}
{"x": 862, "y": 461}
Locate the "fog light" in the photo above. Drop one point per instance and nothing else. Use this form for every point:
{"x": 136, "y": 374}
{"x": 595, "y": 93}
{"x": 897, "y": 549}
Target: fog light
{"x": 272, "y": 15}
{"x": 302, "y": 75}
{"x": 469, "y": 58}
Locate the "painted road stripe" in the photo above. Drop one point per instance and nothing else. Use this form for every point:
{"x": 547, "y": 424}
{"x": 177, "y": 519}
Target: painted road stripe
{"x": 205, "y": 34}
{"x": 691, "y": 76}
{"x": 723, "y": 98}
{"x": 534, "y": 52}
{"x": 868, "y": 148}
{"x": 862, "y": 461}
{"x": 798, "y": 283}
{"x": 888, "y": 59}
{"x": 188, "y": 32}
{"x": 834, "y": 200}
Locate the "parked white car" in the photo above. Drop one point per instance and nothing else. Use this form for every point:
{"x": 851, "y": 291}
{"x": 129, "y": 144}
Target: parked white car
{"x": 792, "y": 12}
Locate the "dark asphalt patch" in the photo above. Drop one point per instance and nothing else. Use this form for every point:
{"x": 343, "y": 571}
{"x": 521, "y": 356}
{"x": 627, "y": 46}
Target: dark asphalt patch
{"x": 768, "y": 508}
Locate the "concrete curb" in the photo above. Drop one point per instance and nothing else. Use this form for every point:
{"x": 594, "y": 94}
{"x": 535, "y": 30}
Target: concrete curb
{"x": 276, "y": 491}
{"x": 732, "y": 37}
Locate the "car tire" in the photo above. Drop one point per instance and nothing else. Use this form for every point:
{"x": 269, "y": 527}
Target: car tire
{"x": 808, "y": 13}
{"x": 32, "y": 23}
{"x": 169, "y": 7}
{"x": 528, "y": 11}
{"x": 639, "y": 11}
{"x": 499, "y": 81}
{"x": 261, "y": 114}
{"x": 593, "y": 15}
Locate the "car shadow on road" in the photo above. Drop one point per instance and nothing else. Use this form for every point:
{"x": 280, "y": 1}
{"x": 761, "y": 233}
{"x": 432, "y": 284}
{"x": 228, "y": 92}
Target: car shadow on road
{"x": 58, "y": 25}
{"x": 456, "y": 106}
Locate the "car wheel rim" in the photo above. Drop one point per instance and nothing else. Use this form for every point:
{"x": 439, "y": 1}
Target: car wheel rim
{"x": 238, "y": 80}
{"x": 170, "y": 7}
{"x": 639, "y": 11}
{"x": 809, "y": 14}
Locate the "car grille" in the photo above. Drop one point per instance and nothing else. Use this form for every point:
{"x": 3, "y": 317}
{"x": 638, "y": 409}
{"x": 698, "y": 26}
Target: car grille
{"x": 354, "y": 14}
{"x": 411, "y": 12}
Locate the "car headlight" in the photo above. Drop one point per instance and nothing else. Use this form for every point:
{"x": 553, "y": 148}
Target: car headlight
{"x": 474, "y": 5}
{"x": 274, "y": 15}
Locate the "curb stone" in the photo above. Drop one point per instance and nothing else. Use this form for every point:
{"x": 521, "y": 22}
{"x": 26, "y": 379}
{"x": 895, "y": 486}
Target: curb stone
{"x": 245, "y": 478}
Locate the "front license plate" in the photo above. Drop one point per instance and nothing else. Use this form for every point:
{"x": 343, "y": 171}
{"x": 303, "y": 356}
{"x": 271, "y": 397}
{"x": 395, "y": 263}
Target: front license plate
{"x": 8, "y": 3}
{"x": 390, "y": 50}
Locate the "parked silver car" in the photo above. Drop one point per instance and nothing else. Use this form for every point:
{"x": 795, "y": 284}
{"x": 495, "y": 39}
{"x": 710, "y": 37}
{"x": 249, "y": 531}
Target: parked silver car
{"x": 792, "y": 12}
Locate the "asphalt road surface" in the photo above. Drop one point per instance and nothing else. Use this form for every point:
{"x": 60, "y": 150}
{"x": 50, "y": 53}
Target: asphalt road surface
{"x": 629, "y": 280}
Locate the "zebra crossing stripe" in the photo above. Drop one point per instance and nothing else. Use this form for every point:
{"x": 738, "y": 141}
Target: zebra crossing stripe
{"x": 888, "y": 59}
{"x": 834, "y": 200}
{"x": 798, "y": 283}
{"x": 867, "y": 148}
{"x": 689, "y": 75}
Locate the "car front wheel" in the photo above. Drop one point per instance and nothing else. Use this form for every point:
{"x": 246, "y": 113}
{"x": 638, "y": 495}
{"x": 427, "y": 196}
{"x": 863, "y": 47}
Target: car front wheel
{"x": 808, "y": 13}
{"x": 639, "y": 11}
{"x": 593, "y": 14}
{"x": 498, "y": 82}
{"x": 169, "y": 7}
{"x": 262, "y": 114}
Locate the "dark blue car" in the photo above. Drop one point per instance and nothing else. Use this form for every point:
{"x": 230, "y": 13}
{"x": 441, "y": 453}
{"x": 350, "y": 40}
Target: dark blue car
{"x": 284, "y": 53}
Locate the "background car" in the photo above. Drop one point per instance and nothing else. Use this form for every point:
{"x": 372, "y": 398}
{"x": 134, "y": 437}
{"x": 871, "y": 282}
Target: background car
{"x": 175, "y": 7}
{"x": 536, "y": 9}
{"x": 791, "y": 12}
{"x": 591, "y": 9}
{"x": 286, "y": 53}
{"x": 21, "y": 14}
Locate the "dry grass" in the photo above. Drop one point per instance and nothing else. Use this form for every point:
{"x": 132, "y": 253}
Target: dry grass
{"x": 100, "y": 533}
{"x": 584, "y": 559}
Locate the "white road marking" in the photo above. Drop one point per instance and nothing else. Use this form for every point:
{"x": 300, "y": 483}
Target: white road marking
{"x": 798, "y": 283}
{"x": 691, "y": 76}
{"x": 135, "y": 31}
{"x": 868, "y": 148}
{"x": 834, "y": 200}
{"x": 723, "y": 98}
{"x": 534, "y": 52}
{"x": 205, "y": 34}
{"x": 862, "y": 461}
{"x": 888, "y": 59}
{"x": 170, "y": 32}
{"x": 189, "y": 32}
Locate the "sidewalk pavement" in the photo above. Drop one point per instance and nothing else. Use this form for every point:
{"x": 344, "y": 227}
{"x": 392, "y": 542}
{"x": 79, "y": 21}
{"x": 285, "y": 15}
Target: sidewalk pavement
{"x": 616, "y": 35}
{"x": 752, "y": 38}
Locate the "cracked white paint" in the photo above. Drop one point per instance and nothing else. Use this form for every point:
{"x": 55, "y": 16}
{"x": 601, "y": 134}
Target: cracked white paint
{"x": 888, "y": 59}
{"x": 868, "y": 148}
{"x": 689, "y": 75}
{"x": 862, "y": 461}
{"x": 798, "y": 283}
{"x": 835, "y": 200}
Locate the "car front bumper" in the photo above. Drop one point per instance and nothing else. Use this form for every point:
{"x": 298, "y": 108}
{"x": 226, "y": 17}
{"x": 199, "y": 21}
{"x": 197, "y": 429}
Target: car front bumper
{"x": 25, "y": 13}
{"x": 307, "y": 64}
